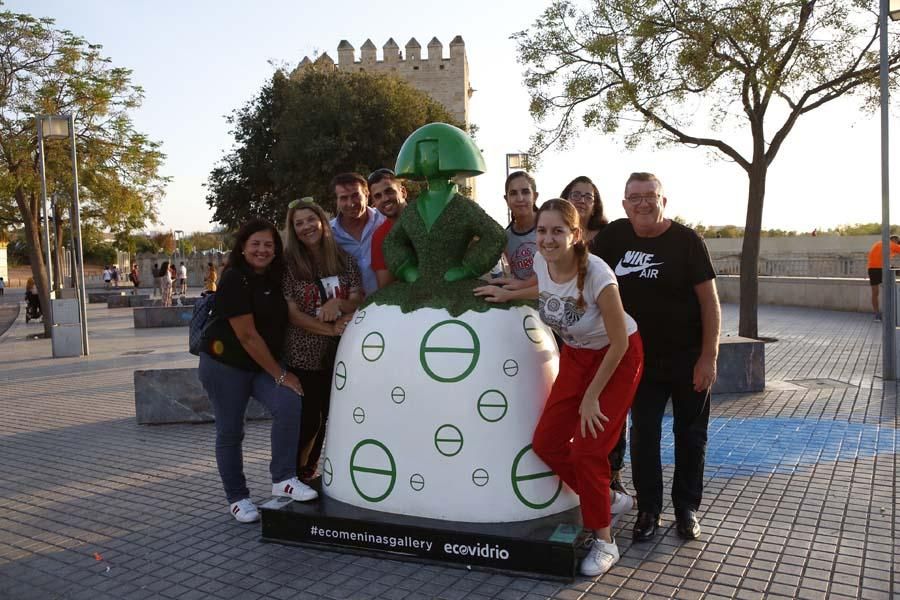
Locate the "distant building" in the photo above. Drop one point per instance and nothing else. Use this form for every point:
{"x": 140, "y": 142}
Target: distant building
{"x": 444, "y": 79}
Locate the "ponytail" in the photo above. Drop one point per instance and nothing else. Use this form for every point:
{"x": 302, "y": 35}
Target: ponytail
{"x": 581, "y": 258}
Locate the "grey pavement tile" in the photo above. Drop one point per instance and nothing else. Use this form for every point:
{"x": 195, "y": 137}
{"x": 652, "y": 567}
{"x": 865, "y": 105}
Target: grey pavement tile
{"x": 776, "y": 523}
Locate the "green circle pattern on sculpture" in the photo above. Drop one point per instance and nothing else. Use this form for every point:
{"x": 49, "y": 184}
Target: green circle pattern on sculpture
{"x": 448, "y": 440}
{"x": 377, "y": 478}
{"x": 327, "y": 471}
{"x": 492, "y": 406}
{"x": 417, "y": 482}
{"x": 480, "y": 477}
{"x": 517, "y": 479}
{"x": 373, "y": 346}
{"x": 398, "y": 395}
{"x": 511, "y": 368}
{"x": 359, "y": 415}
{"x": 360, "y": 315}
{"x": 532, "y": 329}
{"x": 449, "y": 359}
{"x": 340, "y": 375}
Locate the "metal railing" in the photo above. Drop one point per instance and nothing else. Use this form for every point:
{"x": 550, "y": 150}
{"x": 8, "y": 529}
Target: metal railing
{"x": 813, "y": 266}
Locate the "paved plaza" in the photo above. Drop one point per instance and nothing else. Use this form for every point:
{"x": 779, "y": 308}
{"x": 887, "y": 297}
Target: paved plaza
{"x": 800, "y": 501}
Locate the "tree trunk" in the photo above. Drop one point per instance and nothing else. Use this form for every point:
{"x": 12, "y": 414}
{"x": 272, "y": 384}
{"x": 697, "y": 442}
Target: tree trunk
{"x": 749, "y": 291}
{"x": 28, "y": 207}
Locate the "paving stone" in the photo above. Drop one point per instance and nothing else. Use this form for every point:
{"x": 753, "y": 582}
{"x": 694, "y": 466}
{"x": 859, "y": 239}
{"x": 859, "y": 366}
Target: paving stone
{"x": 780, "y": 467}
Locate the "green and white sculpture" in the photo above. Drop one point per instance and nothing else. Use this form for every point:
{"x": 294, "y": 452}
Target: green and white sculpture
{"x": 436, "y": 393}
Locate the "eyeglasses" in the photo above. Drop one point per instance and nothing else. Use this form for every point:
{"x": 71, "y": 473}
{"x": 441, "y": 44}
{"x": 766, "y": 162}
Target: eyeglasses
{"x": 636, "y": 199}
{"x": 576, "y": 196}
{"x": 296, "y": 203}
{"x": 379, "y": 174}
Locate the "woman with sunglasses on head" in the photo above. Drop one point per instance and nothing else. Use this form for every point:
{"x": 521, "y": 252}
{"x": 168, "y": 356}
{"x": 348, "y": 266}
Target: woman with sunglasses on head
{"x": 239, "y": 358}
{"x": 323, "y": 286}
{"x": 600, "y": 366}
{"x": 585, "y": 197}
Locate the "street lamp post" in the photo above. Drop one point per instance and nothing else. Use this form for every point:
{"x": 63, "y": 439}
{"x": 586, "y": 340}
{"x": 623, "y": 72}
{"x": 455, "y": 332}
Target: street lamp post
{"x": 179, "y": 242}
{"x": 889, "y": 319}
{"x": 61, "y": 127}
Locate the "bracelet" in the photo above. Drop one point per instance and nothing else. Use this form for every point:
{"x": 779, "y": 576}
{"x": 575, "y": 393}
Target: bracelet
{"x": 280, "y": 380}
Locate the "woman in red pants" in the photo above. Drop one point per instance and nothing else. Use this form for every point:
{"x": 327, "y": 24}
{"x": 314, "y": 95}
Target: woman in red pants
{"x": 600, "y": 365}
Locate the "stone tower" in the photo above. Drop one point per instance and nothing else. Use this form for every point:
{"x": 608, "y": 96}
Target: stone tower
{"x": 444, "y": 79}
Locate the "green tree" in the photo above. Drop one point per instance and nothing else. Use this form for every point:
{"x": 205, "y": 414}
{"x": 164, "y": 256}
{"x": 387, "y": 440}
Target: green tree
{"x": 653, "y": 66}
{"x": 299, "y": 132}
{"x": 48, "y": 71}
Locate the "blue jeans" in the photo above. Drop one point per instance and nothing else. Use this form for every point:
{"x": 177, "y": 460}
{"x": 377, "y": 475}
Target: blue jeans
{"x": 229, "y": 390}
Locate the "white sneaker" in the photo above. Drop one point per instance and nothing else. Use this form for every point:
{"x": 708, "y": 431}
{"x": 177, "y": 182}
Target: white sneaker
{"x": 244, "y": 511}
{"x": 600, "y": 559}
{"x": 619, "y": 505}
{"x": 295, "y": 489}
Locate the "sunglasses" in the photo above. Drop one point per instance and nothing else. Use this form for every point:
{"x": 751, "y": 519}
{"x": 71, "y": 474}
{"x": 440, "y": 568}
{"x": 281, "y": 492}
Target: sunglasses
{"x": 305, "y": 199}
{"x": 378, "y": 174}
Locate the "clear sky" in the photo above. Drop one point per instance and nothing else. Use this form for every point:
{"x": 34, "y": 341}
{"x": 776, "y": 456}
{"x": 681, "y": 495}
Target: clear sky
{"x": 198, "y": 60}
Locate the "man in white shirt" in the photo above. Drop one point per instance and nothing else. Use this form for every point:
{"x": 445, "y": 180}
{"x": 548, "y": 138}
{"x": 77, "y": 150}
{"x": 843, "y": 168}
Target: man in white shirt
{"x": 182, "y": 279}
{"x": 356, "y": 224}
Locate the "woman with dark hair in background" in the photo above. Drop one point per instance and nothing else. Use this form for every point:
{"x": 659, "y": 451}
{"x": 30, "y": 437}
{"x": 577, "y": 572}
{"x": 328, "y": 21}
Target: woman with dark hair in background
{"x": 240, "y": 358}
{"x": 585, "y": 197}
{"x": 323, "y": 287}
{"x": 165, "y": 284}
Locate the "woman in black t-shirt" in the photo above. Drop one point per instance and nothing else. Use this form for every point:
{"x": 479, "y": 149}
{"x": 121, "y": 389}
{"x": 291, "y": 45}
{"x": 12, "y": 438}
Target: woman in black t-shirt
{"x": 240, "y": 358}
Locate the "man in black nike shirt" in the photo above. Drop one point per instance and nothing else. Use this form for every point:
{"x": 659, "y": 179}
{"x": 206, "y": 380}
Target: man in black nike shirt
{"x": 667, "y": 284}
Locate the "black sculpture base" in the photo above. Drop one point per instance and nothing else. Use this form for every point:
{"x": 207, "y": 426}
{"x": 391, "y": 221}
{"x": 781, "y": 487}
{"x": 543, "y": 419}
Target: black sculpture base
{"x": 549, "y": 547}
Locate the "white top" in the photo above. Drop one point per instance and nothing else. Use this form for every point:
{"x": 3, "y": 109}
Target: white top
{"x": 557, "y": 304}
{"x": 107, "y": 274}
{"x": 182, "y": 272}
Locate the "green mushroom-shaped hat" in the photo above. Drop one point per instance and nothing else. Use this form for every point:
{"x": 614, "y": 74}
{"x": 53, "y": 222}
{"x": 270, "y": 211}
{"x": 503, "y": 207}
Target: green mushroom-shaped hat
{"x": 439, "y": 149}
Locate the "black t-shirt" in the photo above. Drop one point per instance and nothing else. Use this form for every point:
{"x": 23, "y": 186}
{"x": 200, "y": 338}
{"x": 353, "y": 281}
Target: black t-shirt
{"x": 242, "y": 292}
{"x": 656, "y": 281}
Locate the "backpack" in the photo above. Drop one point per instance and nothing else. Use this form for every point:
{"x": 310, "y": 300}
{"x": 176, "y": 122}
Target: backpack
{"x": 201, "y": 319}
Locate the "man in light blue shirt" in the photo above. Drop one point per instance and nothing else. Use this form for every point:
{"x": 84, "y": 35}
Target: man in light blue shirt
{"x": 355, "y": 224}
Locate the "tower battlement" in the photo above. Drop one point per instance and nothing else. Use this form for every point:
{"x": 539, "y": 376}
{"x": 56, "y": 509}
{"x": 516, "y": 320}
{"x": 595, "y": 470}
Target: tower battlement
{"x": 446, "y": 80}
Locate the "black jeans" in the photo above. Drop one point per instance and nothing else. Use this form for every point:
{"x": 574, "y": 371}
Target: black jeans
{"x": 617, "y": 456}
{"x": 690, "y": 412}
{"x": 316, "y": 402}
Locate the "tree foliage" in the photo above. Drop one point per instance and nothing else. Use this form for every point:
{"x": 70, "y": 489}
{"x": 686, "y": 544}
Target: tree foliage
{"x": 687, "y": 71}
{"x": 297, "y": 133}
{"x": 49, "y": 71}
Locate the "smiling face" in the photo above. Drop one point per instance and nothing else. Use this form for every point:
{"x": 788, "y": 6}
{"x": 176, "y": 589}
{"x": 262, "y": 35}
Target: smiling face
{"x": 556, "y": 238}
{"x": 352, "y": 199}
{"x": 644, "y": 204}
{"x": 259, "y": 250}
{"x": 520, "y": 198}
{"x": 307, "y": 227}
{"x": 388, "y": 197}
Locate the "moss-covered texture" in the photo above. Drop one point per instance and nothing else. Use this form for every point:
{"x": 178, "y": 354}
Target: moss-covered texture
{"x": 450, "y": 243}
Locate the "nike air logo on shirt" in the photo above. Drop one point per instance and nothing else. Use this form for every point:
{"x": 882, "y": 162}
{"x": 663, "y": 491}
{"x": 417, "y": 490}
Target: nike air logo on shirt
{"x": 635, "y": 261}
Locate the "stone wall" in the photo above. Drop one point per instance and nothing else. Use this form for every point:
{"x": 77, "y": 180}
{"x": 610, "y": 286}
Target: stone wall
{"x": 444, "y": 79}
{"x": 831, "y": 293}
{"x": 195, "y": 263}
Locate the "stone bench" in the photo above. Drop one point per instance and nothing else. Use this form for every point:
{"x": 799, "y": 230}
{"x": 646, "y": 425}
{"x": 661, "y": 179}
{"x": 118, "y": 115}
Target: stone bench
{"x": 136, "y": 300}
{"x": 128, "y": 301}
{"x": 176, "y": 396}
{"x": 741, "y": 366}
{"x": 104, "y": 296}
{"x": 162, "y": 316}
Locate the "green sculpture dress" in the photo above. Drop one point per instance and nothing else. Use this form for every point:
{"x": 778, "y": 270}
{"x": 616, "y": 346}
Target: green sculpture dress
{"x": 443, "y": 241}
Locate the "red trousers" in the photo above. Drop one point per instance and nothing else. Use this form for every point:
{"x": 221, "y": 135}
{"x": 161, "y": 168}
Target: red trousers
{"x": 583, "y": 462}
